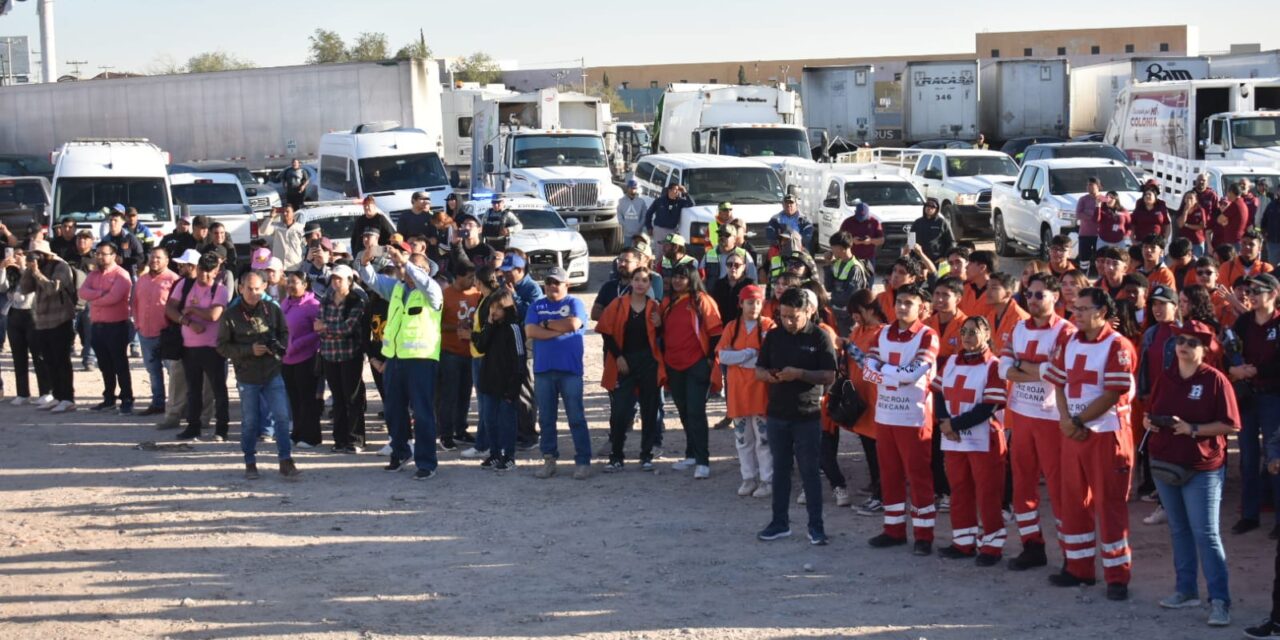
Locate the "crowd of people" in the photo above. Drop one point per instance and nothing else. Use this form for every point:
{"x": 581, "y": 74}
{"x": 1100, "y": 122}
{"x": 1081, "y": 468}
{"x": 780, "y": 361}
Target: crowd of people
{"x": 967, "y": 386}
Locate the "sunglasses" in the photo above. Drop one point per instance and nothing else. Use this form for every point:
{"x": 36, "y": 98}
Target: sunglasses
{"x": 1187, "y": 341}
{"x": 731, "y": 265}
{"x": 1038, "y": 295}
{"x": 1204, "y": 272}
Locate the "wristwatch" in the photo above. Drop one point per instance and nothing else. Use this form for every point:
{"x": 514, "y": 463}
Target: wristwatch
{"x": 1195, "y": 429}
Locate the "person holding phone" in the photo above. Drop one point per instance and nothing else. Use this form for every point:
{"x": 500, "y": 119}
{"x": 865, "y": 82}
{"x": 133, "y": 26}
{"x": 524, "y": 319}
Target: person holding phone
{"x": 663, "y": 216}
{"x": 1191, "y": 412}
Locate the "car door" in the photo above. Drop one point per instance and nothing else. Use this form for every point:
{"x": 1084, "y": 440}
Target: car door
{"x": 918, "y": 176}
{"x": 1017, "y": 221}
{"x": 829, "y": 213}
{"x": 933, "y": 178}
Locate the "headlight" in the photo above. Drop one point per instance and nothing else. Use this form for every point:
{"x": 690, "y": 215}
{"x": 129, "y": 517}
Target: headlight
{"x": 1067, "y": 214}
{"x": 967, "y": 199}
{"x": 578, "y": 252}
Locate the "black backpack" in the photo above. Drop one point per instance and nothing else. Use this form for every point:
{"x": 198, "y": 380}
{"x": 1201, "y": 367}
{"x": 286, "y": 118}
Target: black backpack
{"x": 845, "y": 405}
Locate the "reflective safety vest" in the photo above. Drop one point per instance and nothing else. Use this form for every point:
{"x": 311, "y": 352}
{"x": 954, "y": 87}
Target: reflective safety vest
{"x": 713, "y": 254}
{"x": 842, "y": 271}
{"x": 713, "y": 230}
{"x": 667, "y": 266}
{"x": 412, "y": 330}
{"x": 776, "y": 266}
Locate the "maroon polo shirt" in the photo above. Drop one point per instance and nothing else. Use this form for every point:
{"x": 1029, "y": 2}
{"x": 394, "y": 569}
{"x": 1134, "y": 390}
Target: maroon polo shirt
{"x": 869, "y": 228}
{"x": 1205, "y": 397}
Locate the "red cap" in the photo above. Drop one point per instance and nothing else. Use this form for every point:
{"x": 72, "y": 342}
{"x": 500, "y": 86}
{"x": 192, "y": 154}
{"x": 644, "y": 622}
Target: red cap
{"x": 1198, "y": 330}
{"x": 403, "y": 246}
{"x": 751, "y": 292}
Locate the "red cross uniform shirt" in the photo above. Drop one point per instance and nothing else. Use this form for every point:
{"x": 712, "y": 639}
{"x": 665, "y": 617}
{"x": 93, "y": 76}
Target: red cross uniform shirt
{"x": 1086, "y": 369}
{"x": 1031, "y": 344}
{"x": 908, "y": 360}
{"x": 967, "y": 380}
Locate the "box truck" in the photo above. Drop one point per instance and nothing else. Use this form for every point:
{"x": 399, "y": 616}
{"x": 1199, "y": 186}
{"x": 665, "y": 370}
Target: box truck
{"x": 1095, "y": 87}
{"x": 745, "y": 121}
{"x": 1025, "y": 98}
{"x": 840, "y": 103}
{"x": 1264, "y": 64}
{"x": 940, "y": 100}
{"x": 261, "y": 118}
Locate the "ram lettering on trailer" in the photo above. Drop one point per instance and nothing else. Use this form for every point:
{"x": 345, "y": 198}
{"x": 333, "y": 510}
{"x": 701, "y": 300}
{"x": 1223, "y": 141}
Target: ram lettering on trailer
{"x": 1157, "y": 73}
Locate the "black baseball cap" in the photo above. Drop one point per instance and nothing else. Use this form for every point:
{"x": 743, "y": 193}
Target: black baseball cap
{"x": 1264, "y": 282}
{"x": 1164, "y": 294}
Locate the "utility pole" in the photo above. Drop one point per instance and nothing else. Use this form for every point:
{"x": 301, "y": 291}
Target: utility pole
{"x": 75, "y": 67}
{"x": 8, "y": 61}
{"x": 49, "y": 60}
{"x": 106, "y": 70}
{"x": 583, "y": 63}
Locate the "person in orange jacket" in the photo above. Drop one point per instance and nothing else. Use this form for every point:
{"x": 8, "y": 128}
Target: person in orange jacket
{"x": 633, "y": 366}
{"x": 868, "y": 320}
{"x": 748, "y": 398}
{"x": 1005, "y": 313}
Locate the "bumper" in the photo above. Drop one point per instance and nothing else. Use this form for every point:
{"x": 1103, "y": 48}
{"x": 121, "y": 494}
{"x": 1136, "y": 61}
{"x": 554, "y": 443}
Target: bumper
{"x": 975, "y": 216}
{"x": 543, "y": 261}
{"x": 591, "y": 220}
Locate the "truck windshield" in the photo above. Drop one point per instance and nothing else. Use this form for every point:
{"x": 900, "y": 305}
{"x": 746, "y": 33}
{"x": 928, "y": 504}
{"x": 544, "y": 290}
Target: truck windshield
{"x": 540, "y": 219}
{"x": 24, "y": 193}
{"x": 746, "y": 185}
{"x": 1255, "y": 133}
{"x": 1065, "y": 181}
{"x": 83, "y": 199}
{"x": 397, "y": 173}
{"x": 641, "y": 137}
{"x": 962, "y": 166}
{"x": 881, "y": 193}
{"x": 746, "y": 143}
{"x": 558, "y": 151}
{"x": 206, "y": 193}
{"x": 1255, "y": 179}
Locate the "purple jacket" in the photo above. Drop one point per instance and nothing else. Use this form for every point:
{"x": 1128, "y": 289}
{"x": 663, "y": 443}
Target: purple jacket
{"x": 300, "y": 316}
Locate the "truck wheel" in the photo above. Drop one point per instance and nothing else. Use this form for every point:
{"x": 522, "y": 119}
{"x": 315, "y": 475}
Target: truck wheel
{"x": 613, "y": 242}
{"x": 957, "y": 225}
{"x": 1004, "y": 246}
{"x": 1046, "y": 237}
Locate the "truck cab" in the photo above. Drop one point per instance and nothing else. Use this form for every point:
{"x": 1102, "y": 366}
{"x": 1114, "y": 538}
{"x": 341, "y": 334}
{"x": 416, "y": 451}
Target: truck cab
{"x": 753, "y": 141}
{"x": 1041, "y": 203}
{"x": 1246, "y": 136}
{"x": 383, "y": 160}
{"x": 961, "y": 180}
{"x": 95, "y": 174}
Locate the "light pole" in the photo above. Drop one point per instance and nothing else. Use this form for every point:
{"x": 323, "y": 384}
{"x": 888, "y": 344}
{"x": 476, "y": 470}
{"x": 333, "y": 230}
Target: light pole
{"x": 49, "y": 59}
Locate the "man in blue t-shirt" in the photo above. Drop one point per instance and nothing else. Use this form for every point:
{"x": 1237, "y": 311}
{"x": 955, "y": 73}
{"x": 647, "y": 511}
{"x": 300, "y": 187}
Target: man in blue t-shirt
{"x": 556, "y": 323}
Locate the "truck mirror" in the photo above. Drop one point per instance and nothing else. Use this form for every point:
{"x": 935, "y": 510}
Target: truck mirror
{"x": 831, "y": 203}
{"x": 1032, "y": 195}
{"x": 488, "y": 167}
{"x": 1203, "y": 143}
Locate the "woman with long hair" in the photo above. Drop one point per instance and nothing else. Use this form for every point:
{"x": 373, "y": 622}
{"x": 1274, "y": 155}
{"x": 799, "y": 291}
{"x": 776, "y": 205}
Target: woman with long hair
{"x": 868, "y": 320}
{"x": 22, "y": 333}
{"x": 1191, "y": 223}
{"x": 301, "y": 364}
{"x": 1072, "y": 283}
{"x": 1114, "y": 222}
{"x": 633, "y": 367}
{"x": 342, "y": 356}
{"x": 690, "y": 327}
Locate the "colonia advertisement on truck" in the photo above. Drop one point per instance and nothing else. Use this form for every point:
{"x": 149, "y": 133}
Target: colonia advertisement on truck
{"x": 1155, "y": 121}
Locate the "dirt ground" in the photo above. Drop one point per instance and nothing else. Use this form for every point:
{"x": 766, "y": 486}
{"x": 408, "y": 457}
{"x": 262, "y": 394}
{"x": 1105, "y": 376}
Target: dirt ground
{"x": 99, "y": 539}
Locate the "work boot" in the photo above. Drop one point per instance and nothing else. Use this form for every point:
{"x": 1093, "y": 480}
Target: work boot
{"x": 251, "y": 471}
{"x": 582, "y": 472}
{"x": 548, "y": 468}
{"x": 288, "y": 469}
{"x": 1032, "y": 556}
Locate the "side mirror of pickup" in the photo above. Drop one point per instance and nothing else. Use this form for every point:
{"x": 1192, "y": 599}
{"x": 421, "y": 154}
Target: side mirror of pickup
{"x": 831, "y": 203}
{"x": 1032, "y": 195}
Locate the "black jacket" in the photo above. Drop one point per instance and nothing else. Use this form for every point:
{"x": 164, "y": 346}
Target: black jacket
{"x": 934, "y": 236}
{"x": 665, "y": 213}
{"x": 379, "y": 222}
{"x": 178, "y": 243}
{"x": 504, "y": 365}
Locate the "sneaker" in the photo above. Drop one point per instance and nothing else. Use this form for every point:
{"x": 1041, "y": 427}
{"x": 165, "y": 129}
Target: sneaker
{"x": 872, "y": 507}
{"x": 1064, "y": 579}
{"x": 424, "y": 474}
{"x": 817, "y": 538}
{"x": 472, "y": 453}
{"x": 774, "y": 532}
{"x": 1244, "y": 525}
{"x": 20, "y": 400}
{"x": 1117, "y": 591}
{"x": 802, "y": 499}
{"x": 747, "y": 488}
{"x": 1152, "y": 496}
{"x": 395, "y": 465}
{"x": 765, "y": 490}
{"x": 66, "y": 406}
{"x": 1219, "y": 614}
{"x": 648, "y": 466}
{"x": 1158, "y": 516}
{"x": 922, "y": 548}
{"x": 548, "y": 468}
{"x": 581, "y": 471}
{"x": 723, "y": 424}
{"x": 944, "y": 503}
{"x": 385, "y": 450}
{"x": 1267, "y": 629}
{"x": 217, "y": 437}
{"x": 188, "y": 434}
{"x": 987, "y": 560}
{"x": 842, "y": 496}
{"x": 1180, "y": 601}
{"x": 251, "y": 471}
{"x": 504, "y": 464}
{"x": 102, "y": 406}
{"x": 701, "y": 472}
{"x": 490, "y": 462}
{"x": 303, "y": 444}
{"x": 346, "y": 448}
{"x": 46, "y": 402}
{"x": 126, "y": 410}
{"x": 685, "y": 465}
{"x": 1032, "y": 556}
{"x": 613, "y": 467}
{"x": 885, "y": 540}
{"x": 465, "y": 438}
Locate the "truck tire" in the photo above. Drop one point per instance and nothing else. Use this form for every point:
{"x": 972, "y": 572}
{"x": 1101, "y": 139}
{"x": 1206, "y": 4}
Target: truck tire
{"x": 957, "y": 225}
{"x": 1046, "y": 237}
{"x": 613, "y": 241}
{"x": 1004, "y": 247}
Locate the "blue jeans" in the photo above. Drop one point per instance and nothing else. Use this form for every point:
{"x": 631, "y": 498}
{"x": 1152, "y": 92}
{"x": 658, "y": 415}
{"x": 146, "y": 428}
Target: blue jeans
{"x": 254, "y": 398}
{"x": 411, "y": 383}
{"x": 455, "y": 395}
{"x": 1193, "y": 524}
{"x": 549, "y": 388}
{"x": 795, "y": 442}
{"x": 155, "y": 369}
{"x": 1259, "y": 423}
{"x": 84, "y": 328}
{"x": 1197, "y": 250}
{"x": 502, "y": 426}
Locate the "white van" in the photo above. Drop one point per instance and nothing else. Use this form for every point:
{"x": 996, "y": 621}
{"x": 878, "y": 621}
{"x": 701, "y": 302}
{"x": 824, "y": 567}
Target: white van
{"x": 92, "y": 174}
{"x": 220, "y": 196}
{"x": 750, "y": 185}
{"x": 383, "y": 160}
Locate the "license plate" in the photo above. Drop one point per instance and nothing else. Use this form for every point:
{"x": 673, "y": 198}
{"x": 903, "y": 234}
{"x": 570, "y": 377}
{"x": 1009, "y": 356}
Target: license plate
{"x": 570, "y": 220}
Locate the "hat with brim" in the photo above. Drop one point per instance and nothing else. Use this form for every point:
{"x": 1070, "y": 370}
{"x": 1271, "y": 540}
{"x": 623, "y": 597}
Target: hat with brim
{"x": 342, "y": 271}
{"x": 190, "y": 256}
{"x": 1164, "y": 294}
{"x": 1264, "y": 282}
{"x": 557, "y": 274}
{"x": 40, "y": 246}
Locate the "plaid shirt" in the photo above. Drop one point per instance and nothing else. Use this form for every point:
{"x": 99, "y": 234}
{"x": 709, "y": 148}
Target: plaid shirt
{"x": 341, "y": 339}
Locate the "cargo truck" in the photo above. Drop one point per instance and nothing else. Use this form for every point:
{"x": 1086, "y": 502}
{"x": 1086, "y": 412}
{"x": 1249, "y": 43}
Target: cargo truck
{"x": 940, "y": 100}
{"x": 1025, "y": 98}
{"x": 1264, "y": 64}
{"x": 743, "y": 121}
{"x": 840, "y": 103}
{"x": 260, "y": 118}
{"x": 1096, "y": 87}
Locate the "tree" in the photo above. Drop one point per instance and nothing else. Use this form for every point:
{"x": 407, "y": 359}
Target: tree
{"x": 216, "y": 61}
{"x": 610, "y": 95}
{"x": 417, "y": 49}
{"x": 742, "y": 75}
{"x": 369, "y": 47}
{"x": 164, "y": 65}
{"x": 326, "y": 46}
{"x": 477, "y": 67}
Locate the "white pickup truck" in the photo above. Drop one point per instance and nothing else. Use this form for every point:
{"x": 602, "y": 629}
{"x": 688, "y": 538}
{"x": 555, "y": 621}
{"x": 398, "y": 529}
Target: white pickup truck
{"x": 1042, "y": 201}
{"x": 1176, "y": 175}
{"x": 221, "y": 197}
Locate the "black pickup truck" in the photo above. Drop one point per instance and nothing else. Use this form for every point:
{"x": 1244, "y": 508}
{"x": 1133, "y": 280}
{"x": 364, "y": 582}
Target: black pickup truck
{"x": 24, "y": 204}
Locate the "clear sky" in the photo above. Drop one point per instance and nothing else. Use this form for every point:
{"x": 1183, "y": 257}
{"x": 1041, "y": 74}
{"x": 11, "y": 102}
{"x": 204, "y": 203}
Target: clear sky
{"x": 130, "y": 35}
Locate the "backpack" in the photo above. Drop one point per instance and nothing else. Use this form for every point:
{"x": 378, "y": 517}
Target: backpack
{"x": 845, "y": 405}
{"x": 171, "y": 346}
